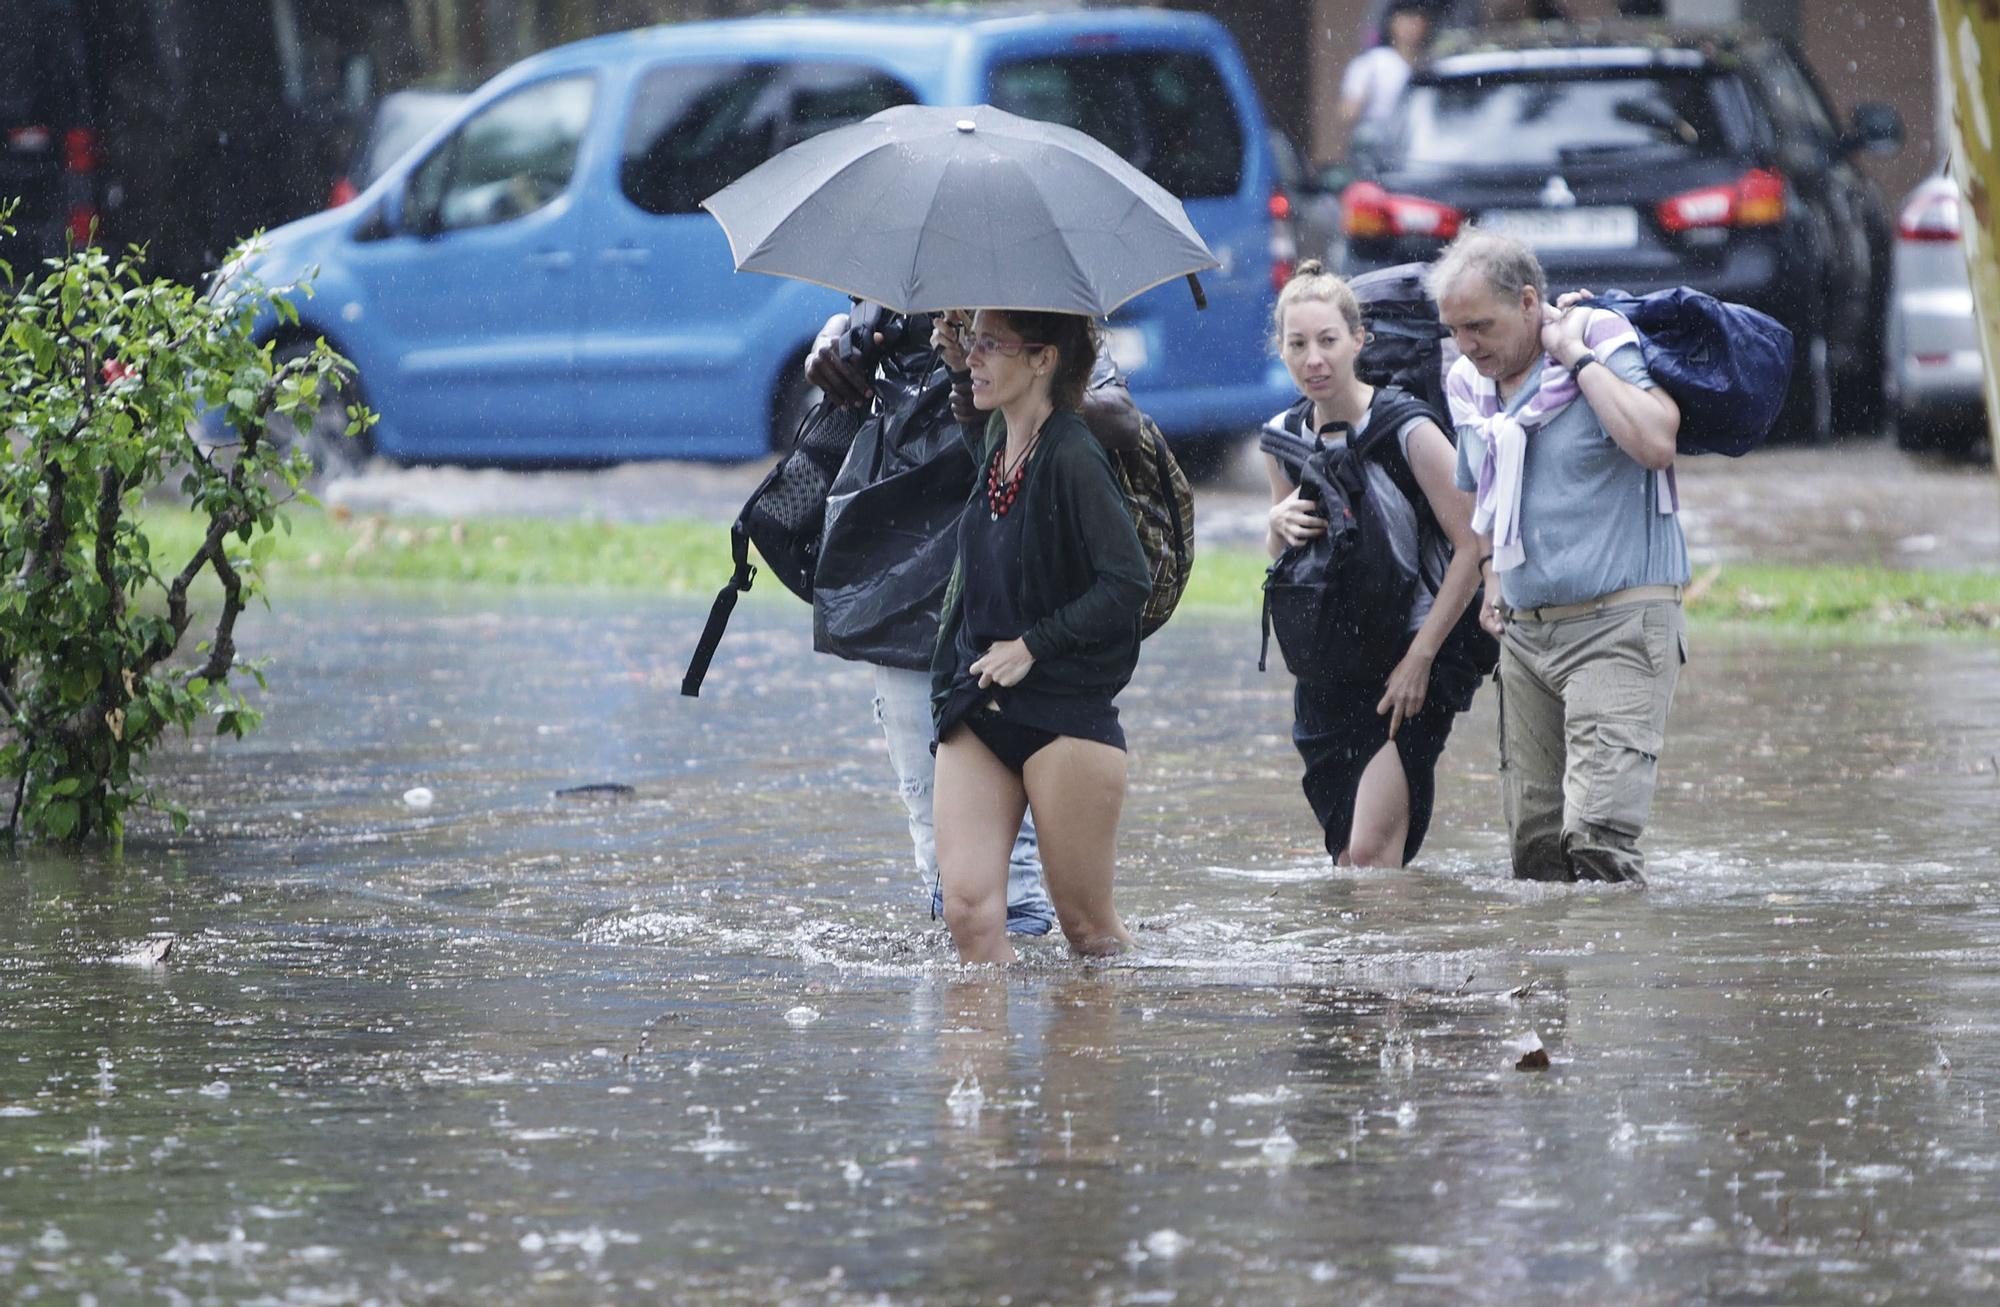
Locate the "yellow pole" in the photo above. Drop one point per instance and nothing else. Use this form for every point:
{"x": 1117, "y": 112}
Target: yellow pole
{"x": 1971, "y": 34}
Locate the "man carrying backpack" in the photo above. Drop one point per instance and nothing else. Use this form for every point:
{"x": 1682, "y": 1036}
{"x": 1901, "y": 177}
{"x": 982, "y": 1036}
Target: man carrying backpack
{"x": 1568, "y": 446}
{"x": 891, "y": 540}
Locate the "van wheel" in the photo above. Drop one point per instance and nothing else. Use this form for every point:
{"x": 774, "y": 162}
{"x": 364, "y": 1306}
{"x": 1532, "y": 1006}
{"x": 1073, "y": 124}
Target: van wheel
{"x": 793, "y": 399}
{"x": 324, "y": 439}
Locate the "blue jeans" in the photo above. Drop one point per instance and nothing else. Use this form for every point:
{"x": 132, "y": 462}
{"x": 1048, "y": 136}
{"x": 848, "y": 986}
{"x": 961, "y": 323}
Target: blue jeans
{"x": 903, "y": 707}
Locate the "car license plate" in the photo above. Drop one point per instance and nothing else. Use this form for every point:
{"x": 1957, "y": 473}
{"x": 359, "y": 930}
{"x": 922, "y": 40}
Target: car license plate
{"x": 1127, "y": 347}
{"x": 1566, "y": 229}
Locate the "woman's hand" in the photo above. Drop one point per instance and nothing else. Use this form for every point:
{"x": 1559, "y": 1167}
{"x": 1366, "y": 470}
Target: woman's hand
{"x": 946, "y": 340}
{"x": 1003, "y": 664}
{"x": 1295, "y": 520}
{"x": 1408, "y": 685}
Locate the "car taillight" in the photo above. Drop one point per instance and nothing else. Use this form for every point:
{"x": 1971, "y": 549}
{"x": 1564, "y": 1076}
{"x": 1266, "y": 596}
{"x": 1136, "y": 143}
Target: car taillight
{"x": 1284, "y": 241}
{"x": 1931, "y": 215}
{"x": 1369, "y": 211}
{"x": 1756, "y": 199}
{"x": 80, "y": 150}
{"x": 82, "y": 223}
{"x": 343, "y": 191}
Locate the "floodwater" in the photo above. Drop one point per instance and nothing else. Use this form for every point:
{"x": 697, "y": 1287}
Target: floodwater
{"x": 698, "y": 1043}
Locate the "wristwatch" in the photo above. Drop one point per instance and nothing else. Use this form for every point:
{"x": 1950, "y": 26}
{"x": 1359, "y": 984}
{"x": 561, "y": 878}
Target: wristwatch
{"x": 1576, "y": 368}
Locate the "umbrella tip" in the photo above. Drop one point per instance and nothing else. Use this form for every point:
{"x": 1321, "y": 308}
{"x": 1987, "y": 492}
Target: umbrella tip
{"x": 966, "y": 124}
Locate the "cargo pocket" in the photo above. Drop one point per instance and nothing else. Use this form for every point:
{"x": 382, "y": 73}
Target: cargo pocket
{"x": 1623, "y": 767}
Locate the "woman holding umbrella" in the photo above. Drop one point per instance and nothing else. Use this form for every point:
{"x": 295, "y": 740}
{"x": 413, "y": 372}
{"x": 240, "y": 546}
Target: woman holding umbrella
{"x": 1040, "y": 630}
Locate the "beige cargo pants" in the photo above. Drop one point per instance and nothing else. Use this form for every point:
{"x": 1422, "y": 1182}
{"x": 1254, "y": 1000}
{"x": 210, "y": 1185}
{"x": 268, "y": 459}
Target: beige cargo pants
{"x": 1583, "y": 716}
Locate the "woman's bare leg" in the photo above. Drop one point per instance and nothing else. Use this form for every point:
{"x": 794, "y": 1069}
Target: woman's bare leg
{"x": 976, "y": 807}
{"x": 1381, "y": 813}
{"x": 1077, "y": 790}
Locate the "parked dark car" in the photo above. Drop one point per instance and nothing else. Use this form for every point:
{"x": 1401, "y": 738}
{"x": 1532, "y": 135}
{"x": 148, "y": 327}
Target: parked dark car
{"x": 49, "y": 149}
{"x": 1637, "y": 158}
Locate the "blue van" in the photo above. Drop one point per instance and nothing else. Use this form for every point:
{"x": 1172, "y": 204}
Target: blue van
{"x": 535, "y": 282}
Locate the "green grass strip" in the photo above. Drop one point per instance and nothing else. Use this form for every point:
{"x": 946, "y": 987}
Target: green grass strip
{"x": 681, "y": 557}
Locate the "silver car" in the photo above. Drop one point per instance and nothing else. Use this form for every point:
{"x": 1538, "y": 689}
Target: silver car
{"x": 1935, "y": 381}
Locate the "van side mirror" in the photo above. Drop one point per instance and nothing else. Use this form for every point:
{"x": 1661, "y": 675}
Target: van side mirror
{"x": 1876, "y": 128}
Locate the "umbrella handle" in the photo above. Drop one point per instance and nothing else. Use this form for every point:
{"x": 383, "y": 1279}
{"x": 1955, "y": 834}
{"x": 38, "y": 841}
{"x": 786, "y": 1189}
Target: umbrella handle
{"x": 1200, "y": 299}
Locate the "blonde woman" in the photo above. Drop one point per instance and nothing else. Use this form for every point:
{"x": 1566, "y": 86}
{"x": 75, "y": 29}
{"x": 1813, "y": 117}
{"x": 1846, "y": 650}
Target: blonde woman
{"x": 1370, "y": 750}
{"x": 1040, "y": 630}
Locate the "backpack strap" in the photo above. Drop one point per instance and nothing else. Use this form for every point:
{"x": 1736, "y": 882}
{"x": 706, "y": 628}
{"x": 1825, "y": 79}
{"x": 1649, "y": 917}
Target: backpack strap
{"x": 740, "y": 577}
{"x": 718, "y": 615}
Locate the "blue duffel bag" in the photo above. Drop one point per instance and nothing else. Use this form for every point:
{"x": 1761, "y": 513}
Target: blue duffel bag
{"x": 1726, "y": 365}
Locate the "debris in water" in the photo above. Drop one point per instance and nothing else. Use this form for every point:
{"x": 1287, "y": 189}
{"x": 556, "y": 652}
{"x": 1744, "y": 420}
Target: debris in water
{"x": 610, "y": 790}
{"x": 802, "y": 1015}
{"x": 1531, "y": 1055}
{"x": 150, "y": 952}
{"x": 1167, "y": 1244}
{"x": 1520, "y": 992}
{"x": 215, "y": 1089}
{"x": 418, "y": 797}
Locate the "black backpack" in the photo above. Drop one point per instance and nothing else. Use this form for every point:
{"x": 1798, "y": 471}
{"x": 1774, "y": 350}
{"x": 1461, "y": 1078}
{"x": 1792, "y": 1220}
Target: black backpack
{"x": 1405, "y": 347}
{"x": 888, "y": 545}
{"x": 1341, "y": 605}
{"x": 782, "y": 517}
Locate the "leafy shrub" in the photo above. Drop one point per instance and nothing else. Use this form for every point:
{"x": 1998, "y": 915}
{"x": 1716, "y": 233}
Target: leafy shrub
{"x": 103, "y": 374}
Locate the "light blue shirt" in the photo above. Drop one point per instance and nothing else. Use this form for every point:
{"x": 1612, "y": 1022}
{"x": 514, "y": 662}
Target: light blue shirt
{"x": 1590, "y": 519}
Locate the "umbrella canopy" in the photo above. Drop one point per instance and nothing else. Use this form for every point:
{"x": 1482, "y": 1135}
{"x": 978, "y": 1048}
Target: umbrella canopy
{"x": 925, "y": 208}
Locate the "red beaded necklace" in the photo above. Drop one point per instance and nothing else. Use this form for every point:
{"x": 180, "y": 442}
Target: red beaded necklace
{"x": 1002, "y": 487}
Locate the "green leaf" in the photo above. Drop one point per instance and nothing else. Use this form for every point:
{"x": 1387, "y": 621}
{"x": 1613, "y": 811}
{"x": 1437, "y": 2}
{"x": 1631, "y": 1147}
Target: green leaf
{"x": 67, "y": 785}
{"x": 59, "y": 819}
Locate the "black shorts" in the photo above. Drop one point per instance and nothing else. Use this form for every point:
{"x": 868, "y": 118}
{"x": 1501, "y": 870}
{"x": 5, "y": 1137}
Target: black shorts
{"x": 1012, "y": 743}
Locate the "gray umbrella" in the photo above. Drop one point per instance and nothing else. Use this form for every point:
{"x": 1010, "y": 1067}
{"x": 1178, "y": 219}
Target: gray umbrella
{"x": 924, "y": 208}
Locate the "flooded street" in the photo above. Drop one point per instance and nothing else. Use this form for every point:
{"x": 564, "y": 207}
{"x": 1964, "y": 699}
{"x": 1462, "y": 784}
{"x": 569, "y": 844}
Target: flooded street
{"x": 698, "y": 1043}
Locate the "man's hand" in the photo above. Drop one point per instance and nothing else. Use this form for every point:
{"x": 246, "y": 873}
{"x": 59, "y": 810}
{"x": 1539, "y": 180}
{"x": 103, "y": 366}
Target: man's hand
{"x": 1003, "y": 664}
{"x": 832, "y": 371}
{"x": 1562, "y": 328}
{"x": 1491, "y": 619}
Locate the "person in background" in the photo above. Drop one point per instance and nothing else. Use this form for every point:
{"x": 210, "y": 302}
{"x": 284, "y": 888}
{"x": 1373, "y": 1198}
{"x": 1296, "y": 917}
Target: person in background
{"x": 1375, "y": 78}
{"x": 1040, "y": 630}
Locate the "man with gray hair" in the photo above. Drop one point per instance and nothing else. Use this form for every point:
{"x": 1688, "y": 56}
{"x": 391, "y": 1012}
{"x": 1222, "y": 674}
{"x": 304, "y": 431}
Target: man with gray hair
{"x": 1569, "y": 447}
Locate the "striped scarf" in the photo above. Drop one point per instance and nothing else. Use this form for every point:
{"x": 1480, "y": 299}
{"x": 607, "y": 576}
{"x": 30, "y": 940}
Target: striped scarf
{"x": 1475, "y": 402}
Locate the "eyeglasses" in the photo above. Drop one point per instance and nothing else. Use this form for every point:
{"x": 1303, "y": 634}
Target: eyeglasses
{"x": 984, "y": 344}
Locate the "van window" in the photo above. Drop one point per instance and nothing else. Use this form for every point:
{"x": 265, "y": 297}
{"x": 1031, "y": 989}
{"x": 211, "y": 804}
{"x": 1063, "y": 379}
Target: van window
{"x": 696, "y": 128}
{"x": 506, "y": 161}
{"x": 1169, "y": 114}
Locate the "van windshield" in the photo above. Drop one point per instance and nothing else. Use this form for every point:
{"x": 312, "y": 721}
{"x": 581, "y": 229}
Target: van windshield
{"x": 1167, "y": 113}
{"x": 1547, "y": 121}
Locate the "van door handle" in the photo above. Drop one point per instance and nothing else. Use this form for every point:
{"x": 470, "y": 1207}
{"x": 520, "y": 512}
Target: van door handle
{"x": 632, "y": 255}
{"x": 553, "y": 260}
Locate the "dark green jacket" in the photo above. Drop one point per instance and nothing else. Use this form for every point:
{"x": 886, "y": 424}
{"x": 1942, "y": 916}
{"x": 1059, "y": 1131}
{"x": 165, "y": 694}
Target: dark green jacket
{"x": 1084, "y": 577}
